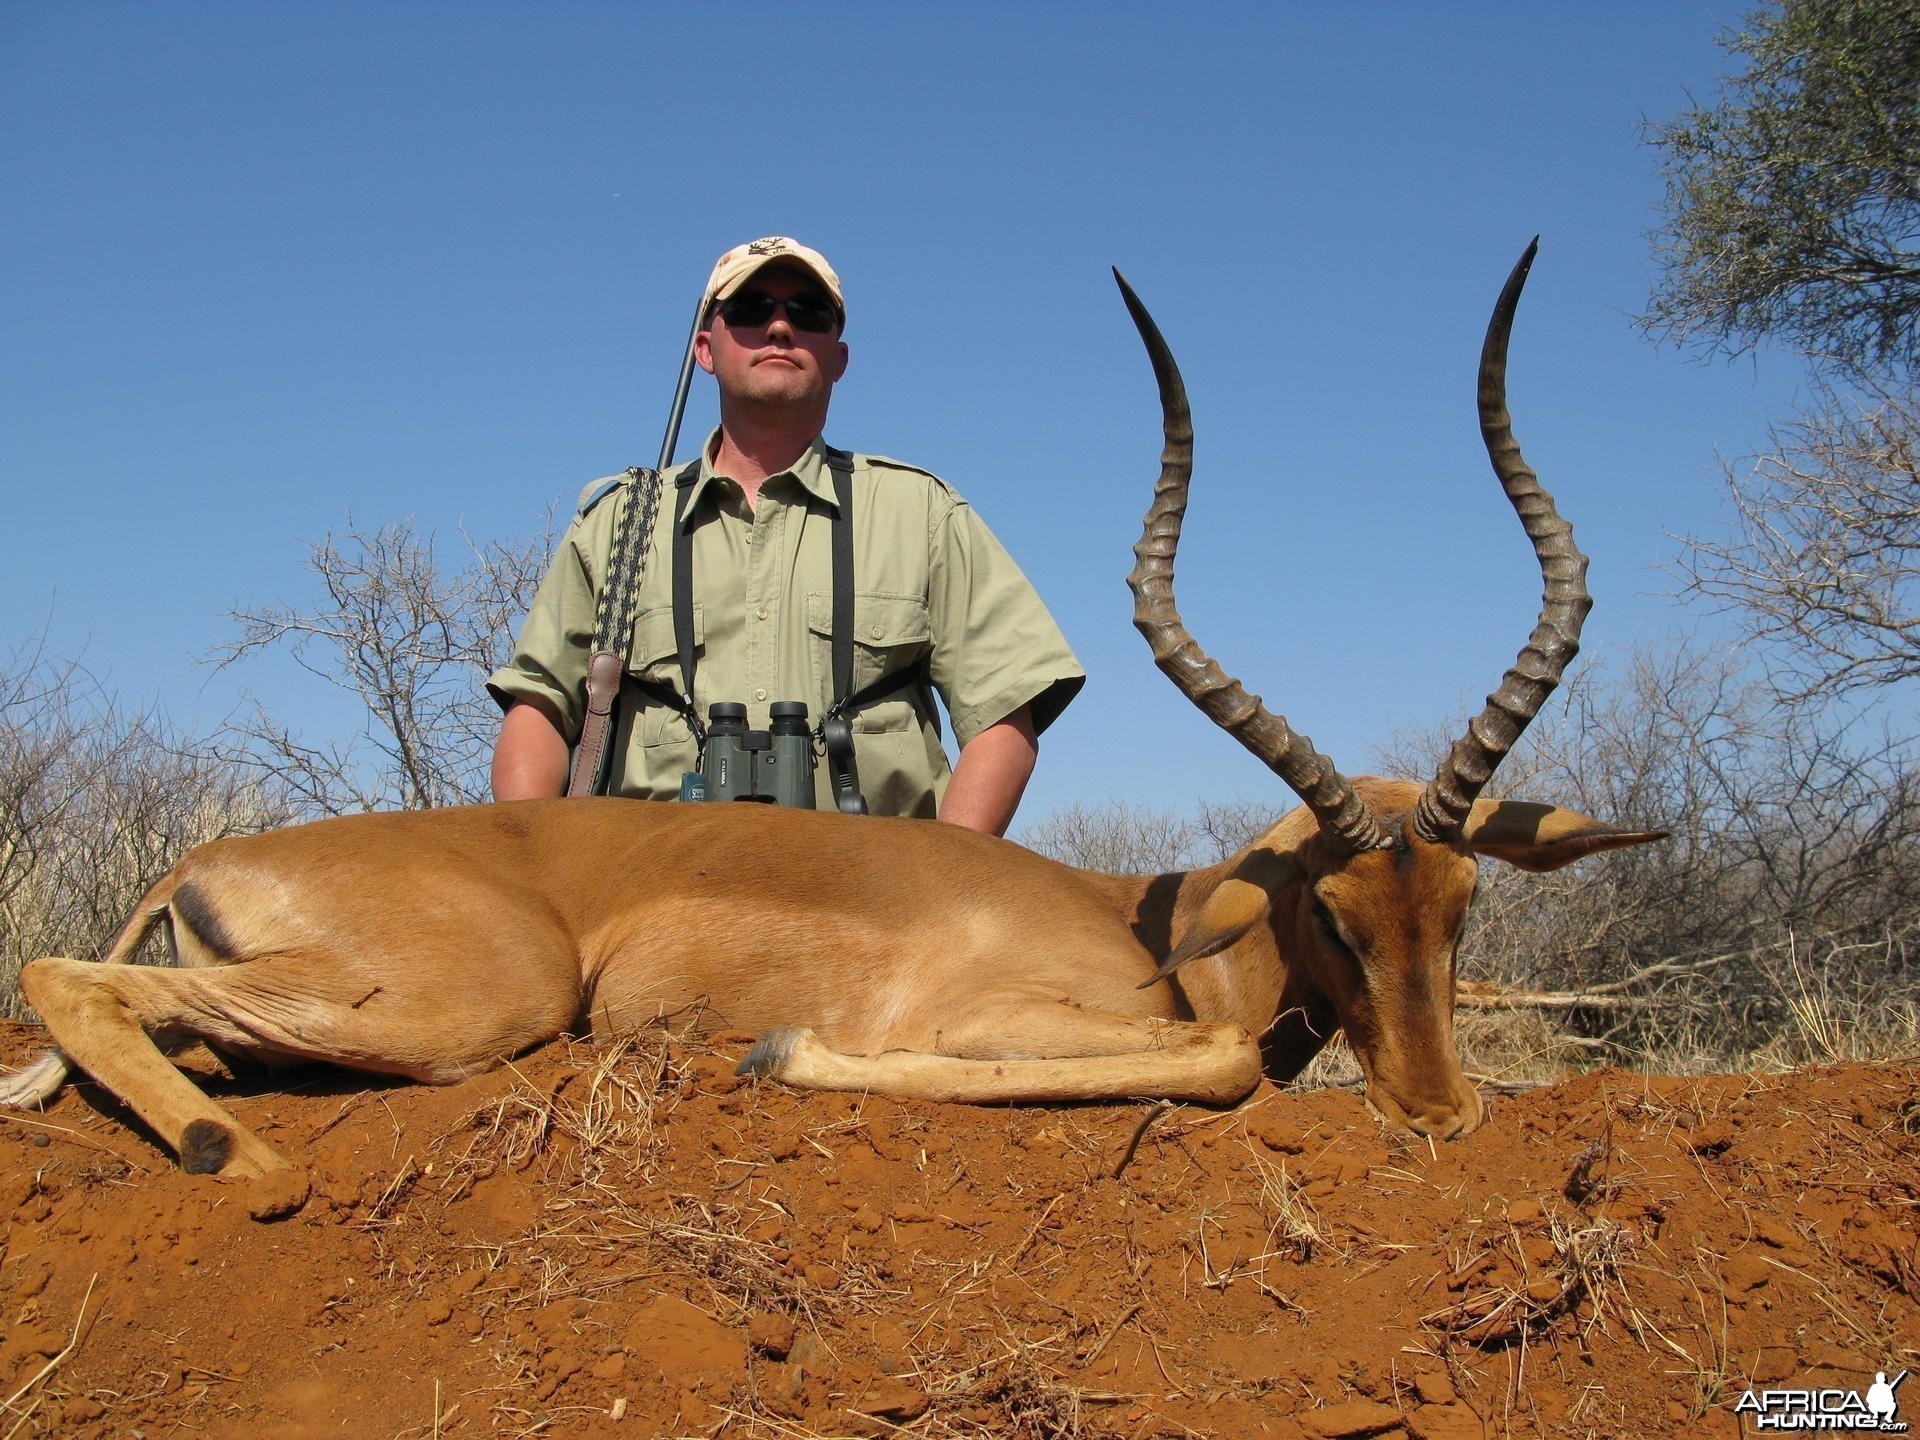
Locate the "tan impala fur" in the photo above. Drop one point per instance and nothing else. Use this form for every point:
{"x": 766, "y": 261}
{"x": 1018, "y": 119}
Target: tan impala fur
{"x": 912, "y": 959}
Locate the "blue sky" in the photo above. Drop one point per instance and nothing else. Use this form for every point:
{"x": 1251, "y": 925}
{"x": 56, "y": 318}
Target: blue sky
{"x": 269, "y": 264}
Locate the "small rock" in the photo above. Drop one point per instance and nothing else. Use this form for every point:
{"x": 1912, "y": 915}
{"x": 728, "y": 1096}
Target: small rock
{"x": 771, "y": 1335}
{"x": 1746, "y": 1271}
{"x": 1350, "y": 1417}
{"x": 1274, "y": 1130}
{"x": 1445, "y": 1422}
{"x": 610, "y": 1368}
{"x": 1539, "y": 1249}
{"x": 822, "y": 1277}
{"x": 893, "y": 1400}
{"x": 1434, "y": 1388}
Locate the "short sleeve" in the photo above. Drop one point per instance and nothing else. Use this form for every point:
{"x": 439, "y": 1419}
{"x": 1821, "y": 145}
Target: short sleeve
{"x": 995, "y": 646}
{"x": 549, "y": 659}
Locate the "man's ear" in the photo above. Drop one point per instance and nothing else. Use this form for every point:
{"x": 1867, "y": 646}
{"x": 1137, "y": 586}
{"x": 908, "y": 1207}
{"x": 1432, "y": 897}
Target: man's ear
{"x": 840, "y": 365}
{"x": 703, "y": 349}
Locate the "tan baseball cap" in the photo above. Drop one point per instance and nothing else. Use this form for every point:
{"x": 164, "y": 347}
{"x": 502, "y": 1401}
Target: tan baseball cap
{"x": 733, "y": 268}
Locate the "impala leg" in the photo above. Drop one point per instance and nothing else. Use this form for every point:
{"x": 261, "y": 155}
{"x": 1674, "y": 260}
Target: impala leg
{"x": 286, "y": 1008}
{"x": 1090, "y": 1055}
{"x": 103, "y": 1030}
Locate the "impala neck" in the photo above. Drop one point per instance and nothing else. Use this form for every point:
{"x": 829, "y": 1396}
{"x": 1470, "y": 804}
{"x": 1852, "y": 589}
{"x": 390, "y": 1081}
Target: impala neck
{"x": 1241, "y": 984}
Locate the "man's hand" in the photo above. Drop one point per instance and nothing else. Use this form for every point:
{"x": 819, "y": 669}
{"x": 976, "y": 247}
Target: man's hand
{"x": 530, "y": 758}
{"x": 991, "y": 776}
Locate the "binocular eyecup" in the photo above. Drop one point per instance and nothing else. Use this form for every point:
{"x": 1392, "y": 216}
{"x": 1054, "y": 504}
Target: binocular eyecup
{"x": 773, "y": 766}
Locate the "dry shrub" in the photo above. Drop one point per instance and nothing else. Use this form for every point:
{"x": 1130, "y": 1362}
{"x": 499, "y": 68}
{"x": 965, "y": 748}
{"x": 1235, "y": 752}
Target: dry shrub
{"x": 1124, "y": 839}
{"x": 1777, "y": 919}
{"x": 412, "y": 638}
{"x": 96, "y": 803}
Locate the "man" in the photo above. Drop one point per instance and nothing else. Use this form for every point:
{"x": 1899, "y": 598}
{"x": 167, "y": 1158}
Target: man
{"x": 938, "y": 604}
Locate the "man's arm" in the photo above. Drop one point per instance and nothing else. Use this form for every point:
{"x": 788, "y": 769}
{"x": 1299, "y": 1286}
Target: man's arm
{"x": 998, "y": 661}
{"x": 530, "y": 758}
{"x": 991, "y": 775}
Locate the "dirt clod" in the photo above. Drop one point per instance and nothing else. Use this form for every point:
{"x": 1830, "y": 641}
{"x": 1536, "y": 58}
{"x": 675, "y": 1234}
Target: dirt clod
{"x": 276, "y": 1196}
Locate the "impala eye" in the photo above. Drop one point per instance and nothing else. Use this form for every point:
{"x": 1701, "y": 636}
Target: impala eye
{"x": 1329, "y": 931}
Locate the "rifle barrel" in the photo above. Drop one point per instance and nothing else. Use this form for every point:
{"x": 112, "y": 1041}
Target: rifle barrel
{"x": 680, "y": 391}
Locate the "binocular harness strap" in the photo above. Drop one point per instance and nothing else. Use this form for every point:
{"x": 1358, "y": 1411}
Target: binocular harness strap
{"x": 683, "y": 601}
{"x": 835, "y": 730}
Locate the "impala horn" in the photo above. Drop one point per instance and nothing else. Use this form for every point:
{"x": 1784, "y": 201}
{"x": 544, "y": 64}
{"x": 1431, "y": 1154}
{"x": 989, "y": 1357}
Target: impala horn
{"x": 1345, "y": 821}
{"x": 1564, "y": 601}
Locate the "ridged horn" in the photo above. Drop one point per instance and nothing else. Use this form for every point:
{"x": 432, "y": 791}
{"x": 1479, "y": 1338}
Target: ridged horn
{"x": 1344, "y": 819}
{"x": 1564, "y": 601}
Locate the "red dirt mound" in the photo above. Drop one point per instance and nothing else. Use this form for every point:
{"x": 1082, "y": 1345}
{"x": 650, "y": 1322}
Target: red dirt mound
{"x": 626, "y": 1241}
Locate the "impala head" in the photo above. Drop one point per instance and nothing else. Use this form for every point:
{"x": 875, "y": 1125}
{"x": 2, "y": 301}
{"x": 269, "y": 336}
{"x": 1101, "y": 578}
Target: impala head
{"x": 1364, "y": 891}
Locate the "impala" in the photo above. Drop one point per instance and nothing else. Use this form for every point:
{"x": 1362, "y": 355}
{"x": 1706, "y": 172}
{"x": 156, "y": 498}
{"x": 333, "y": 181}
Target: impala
{"x": 915, "y": 960}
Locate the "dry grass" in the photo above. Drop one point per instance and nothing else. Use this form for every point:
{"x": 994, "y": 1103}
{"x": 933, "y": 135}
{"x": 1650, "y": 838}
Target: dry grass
{"x": 1520, "y": 1282}
{"x": 608, "y": 1234}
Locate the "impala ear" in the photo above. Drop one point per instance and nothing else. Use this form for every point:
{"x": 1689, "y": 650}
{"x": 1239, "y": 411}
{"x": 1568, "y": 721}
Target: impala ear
{"x": 1543, "y": 837}
{"x": 1238, "y": 903}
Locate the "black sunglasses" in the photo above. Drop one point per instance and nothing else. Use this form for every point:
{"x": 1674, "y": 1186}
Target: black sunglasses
{"x": 812, "y": 313}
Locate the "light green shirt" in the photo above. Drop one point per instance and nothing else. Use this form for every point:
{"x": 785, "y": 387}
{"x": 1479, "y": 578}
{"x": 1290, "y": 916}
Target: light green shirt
{"x": 930, "y": 581}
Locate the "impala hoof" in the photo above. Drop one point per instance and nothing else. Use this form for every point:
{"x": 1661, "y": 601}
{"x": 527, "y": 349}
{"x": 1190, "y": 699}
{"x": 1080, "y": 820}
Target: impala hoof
{"x": 770, "y": 1053}
{"x": 208, "y": 1147}
{"x": 205, "y": 1148}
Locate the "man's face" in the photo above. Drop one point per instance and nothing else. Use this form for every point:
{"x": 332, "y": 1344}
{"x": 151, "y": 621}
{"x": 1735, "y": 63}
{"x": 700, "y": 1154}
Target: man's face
{"x": 773, "y": 364}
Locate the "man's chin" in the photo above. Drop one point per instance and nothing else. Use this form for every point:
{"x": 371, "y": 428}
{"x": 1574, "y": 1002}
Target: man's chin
{"x": 789, "y": 387}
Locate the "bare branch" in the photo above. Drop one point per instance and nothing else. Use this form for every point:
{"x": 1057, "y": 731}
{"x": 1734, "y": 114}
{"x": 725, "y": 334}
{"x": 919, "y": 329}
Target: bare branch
{"x": 413, "y": 641}
{"x": 1823, "y": 558}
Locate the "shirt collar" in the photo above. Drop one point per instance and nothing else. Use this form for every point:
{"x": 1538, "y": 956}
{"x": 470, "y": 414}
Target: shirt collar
{"x": 810, "y": 472}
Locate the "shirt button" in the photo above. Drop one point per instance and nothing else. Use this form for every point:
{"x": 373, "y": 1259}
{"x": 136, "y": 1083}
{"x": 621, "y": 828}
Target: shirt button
{"x": 759, "y": 694}
{"x": 761, "y": 613}
{"x": 877, "y": 631}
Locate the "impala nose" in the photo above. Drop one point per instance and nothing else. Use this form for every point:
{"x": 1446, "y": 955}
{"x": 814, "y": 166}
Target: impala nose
{"x": 1442, "y": 1126}
{"x": 1450, "y": 1119}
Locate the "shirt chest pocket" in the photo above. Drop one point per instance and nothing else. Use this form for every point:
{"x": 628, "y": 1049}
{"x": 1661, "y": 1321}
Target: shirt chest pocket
{"x": 655, "y": 658}
{"x": 890, "y": 633}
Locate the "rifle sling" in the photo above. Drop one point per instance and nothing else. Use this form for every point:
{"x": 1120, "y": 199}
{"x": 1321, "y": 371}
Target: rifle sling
{"x": 612, "y": 631}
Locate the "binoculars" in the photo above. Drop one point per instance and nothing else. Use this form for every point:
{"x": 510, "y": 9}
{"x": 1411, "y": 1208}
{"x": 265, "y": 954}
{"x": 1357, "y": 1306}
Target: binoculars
{"x": 773, "y": 766}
